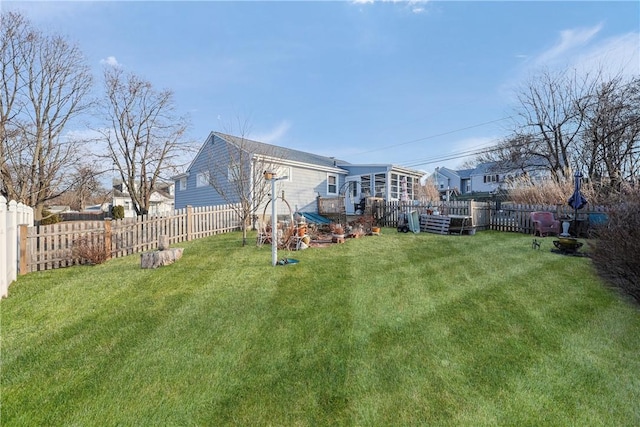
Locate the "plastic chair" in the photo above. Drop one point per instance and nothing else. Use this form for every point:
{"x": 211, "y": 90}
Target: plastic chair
{"x": 544, "y": 223}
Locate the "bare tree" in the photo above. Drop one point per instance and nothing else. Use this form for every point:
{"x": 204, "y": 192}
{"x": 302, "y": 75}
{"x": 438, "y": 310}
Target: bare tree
{"x": 143, "y": 133}
{"x": 612, "y": 132}
{"x": 429, "y": 191}
{"x": 86, "y": 187}
{"x": 236, "y": 173}
{"x": 549, "y": 123}
{"x": 45, "y": 85}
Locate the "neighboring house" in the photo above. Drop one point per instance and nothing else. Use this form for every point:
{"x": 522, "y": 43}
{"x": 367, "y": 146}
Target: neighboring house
{"x": 160, "y": 203}
{"x": 58, "y": 209}
{"x": 447, "y": 180}
{"x": 485, "y": 178}
{"x": 309, "y": 175}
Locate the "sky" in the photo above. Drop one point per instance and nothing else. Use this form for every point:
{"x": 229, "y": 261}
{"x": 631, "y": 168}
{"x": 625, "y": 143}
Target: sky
{"x": 420, "y": 84}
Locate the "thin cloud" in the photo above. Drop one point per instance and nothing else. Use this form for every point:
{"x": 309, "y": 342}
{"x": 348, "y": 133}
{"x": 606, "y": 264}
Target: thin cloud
{"x": 618, "y": 55}
{"x": 275, "y": 134}
{"x": 111, "y": 61}
{"x": 570, "y": 40}
{"x": 416, "y": 6}
{"x": 581, "y": 51}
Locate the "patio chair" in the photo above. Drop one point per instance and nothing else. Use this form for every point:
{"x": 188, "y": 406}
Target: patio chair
{"x": 264, "y": 236}
{"x": 544, "y": 223}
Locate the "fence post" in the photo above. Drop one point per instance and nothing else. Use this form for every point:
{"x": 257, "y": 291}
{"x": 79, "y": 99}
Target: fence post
{"x": 24, "y": 254}
{"x": 5, "y": 246}
{"x": 107, "y": 237}
{"x": 189, "y": 222}
{"x": 472, "y": 206}
{"x": 12, "y": 238}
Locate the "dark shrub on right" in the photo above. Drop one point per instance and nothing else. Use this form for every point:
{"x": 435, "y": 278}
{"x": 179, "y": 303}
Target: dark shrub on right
{"x": 616, "y": 250}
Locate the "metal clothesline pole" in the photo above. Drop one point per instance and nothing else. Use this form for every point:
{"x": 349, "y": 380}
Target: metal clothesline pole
{"x": 274, "y": 224}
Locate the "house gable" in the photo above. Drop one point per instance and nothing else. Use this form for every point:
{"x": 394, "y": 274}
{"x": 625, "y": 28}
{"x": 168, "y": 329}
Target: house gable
{"x": 308, "y": 174}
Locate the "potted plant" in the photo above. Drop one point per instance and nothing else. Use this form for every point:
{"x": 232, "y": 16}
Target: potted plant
{"x": 337, "y": 233}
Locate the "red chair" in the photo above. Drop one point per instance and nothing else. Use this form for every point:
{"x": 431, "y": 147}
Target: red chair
{"x": 544, "y": 223}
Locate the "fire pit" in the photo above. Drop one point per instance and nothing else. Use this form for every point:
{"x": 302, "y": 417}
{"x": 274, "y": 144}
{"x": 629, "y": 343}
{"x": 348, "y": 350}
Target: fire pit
{"x": 567, "y": 245}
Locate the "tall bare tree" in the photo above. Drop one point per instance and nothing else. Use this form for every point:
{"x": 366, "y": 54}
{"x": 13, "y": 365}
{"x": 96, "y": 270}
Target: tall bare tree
{"x": 612, "y": 133}
{"x": 45, "y": 85}
{"x": 143, "y": 133}
{"x": 86, "y": 187}
{"x": 549, "y": 122}
{"x": 236, "y": 171}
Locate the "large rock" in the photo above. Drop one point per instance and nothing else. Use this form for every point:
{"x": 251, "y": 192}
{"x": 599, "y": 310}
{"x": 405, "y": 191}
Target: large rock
{"x": 157, "y": 259}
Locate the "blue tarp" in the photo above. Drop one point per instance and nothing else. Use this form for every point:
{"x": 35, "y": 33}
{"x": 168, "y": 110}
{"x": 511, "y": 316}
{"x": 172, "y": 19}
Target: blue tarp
{"x": 315, "y": 218}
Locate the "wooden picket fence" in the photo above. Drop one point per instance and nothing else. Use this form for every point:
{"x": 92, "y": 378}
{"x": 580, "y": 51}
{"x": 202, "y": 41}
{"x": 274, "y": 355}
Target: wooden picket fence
{"x": 52, "y": 246}
{"x": 388, "y": 212}
{"x": 508, "y": 217}
{"x": 55, "y": 246}
{"x": 516, "y": 218}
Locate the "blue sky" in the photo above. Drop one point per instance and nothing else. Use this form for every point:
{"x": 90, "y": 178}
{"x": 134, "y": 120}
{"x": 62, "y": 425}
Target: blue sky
{"x": 415, "y": 83}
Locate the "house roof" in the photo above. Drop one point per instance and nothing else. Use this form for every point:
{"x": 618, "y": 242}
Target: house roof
{"x": 465, "y": 173}
{"x": 261, "y": 148}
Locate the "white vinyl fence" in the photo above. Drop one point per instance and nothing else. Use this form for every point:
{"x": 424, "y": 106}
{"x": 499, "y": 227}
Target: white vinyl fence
{"x": 12, "y": 215}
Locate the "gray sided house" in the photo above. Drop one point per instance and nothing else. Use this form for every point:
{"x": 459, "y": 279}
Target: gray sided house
{"x": 485, "y": 178}
{"x": 308, "y": 176}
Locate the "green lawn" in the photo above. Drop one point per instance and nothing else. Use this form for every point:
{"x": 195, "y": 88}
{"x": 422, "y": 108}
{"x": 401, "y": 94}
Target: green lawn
{"x": 397, "y": 329}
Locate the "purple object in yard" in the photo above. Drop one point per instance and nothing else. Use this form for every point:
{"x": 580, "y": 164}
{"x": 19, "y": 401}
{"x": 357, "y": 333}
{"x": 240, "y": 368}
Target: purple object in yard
{"x": 577, "y": 200}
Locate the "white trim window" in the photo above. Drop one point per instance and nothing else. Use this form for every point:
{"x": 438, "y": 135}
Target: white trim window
{"x": 233, "y": 173}
{"x": 183, "y": 184}
{"x": 202, "y": 179}
{"x": 332, "y": 184}
{"x": 282, "y": 171}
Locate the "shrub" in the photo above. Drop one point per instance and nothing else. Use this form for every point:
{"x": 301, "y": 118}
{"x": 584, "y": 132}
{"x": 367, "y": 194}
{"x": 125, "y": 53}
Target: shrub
{"x": 90, "y": 249}
{"x": 523, "y": 190}
{"x": 616, "y": 250}
{"x": 117, "y": 212}
{"x": 48, "y": 218}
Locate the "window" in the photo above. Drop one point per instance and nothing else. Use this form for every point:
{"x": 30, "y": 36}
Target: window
{"x": 380, "y": 180}
{"x": 285, "y": 171}
{"x": 365, "y": 185}
{"x": 233, "y": 173}
{"x": 491, "y": 178}
{"x": 410, "y": 181}
{"x": 202, "y": 179}
{"x": 395, "y": 182}
{"x": 353, "y": 186}
{"x": 183, "y": 184}
{"x": 332, "y": 183}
